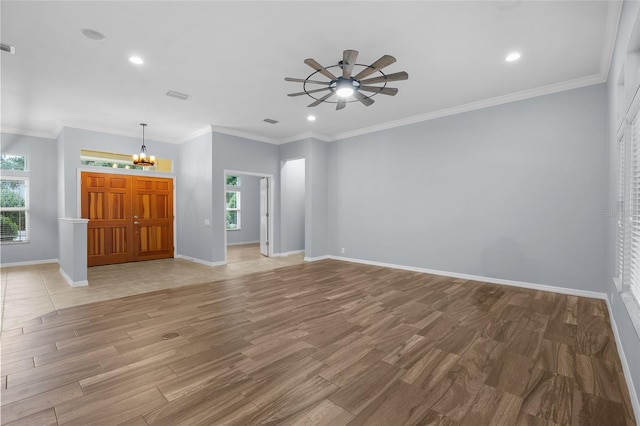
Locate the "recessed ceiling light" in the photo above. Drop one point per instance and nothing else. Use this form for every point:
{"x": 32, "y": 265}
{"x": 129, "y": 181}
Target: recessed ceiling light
{"x": 512, "y": 57}
{"x": 311, "y": 118}
{"x": 92, "y": 34}
{"x": 136, "y": 60}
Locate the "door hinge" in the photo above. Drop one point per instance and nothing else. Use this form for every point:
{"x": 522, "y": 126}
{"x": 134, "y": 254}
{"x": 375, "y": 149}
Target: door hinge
{"x": 267, "y": 243}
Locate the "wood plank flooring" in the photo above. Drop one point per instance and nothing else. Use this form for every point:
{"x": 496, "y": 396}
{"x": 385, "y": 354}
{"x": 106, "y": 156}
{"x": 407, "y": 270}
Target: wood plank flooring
{"x": 328, "y": 343}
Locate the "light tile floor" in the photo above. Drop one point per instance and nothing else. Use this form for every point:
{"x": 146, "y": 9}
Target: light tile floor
{"x": 27, "y": 292}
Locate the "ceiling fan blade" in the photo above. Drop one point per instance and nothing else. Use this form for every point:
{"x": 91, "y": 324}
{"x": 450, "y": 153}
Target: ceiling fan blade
{"x": 362, "y": 98}
{"x": 396, "y": 76}
{"x": 316, "y": 66}
{"x": 321, "y": 100}
{"x": 308, "y": 91}
{"x": 342, "y": 102}
{"x": 349, "y": 58}
{"x": 391, "y": 91}
{"x": 385, "y": 61}
{"x": 302, "y": 80}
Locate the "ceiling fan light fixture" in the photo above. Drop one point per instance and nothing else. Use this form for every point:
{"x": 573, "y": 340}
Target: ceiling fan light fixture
{"x": 350, "y": 85}
{"x": 344, "y": 88}
{"x": 344, "y": 92}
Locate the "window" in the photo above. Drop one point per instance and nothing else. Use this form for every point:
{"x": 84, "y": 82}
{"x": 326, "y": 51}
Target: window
{"x": 621, "y": 250}
{"x": 633, "y": 230}
{"x": 120, "y": 161}
{"x": 628, "y": 232}
{"x": 233, "y": 210}
{"x": 14, "y": 199}
{"x": 13, "y": 162}
{"x": 233, "y": 180}
{"x": 233, "y": 202}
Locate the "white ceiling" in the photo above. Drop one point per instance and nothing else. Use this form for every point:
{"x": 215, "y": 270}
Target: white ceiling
{"x": 232, "y": 57}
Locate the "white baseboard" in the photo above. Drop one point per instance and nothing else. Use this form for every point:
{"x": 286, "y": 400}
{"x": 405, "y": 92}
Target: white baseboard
{"x": 288, "y": 253}
{"x": 200, "y": 261}
{"x": 533, "y": 286}
{"x": 72, "y": 283}
{"x": 243, "y": 243}
{"x": 625, "y": 365}
{"x": 30, "y": 262}
{"x": 315, "y": 259}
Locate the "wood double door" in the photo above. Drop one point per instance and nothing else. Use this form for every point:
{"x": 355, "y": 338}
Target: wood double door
{"x": 130, "y": 217}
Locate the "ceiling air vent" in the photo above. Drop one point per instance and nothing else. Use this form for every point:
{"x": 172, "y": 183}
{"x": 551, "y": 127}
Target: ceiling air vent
{"x": 178, "y": 95}
{"x": 8, "y": 48}
{"x": 270, "y": 120}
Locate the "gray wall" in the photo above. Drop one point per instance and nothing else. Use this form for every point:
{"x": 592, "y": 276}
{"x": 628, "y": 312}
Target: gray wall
{"x": 194, "y": 187}
{"x": 315, "y": 153}
{"x": 293, "y": 204}
{"x": 243, "y": 155}
{"x": 72, "y": 140}
{"x": 249, "y": 231}
{"x": 515, "y": 191}
{"x": 41, "y": 153}
{"x": 628, "y": 334}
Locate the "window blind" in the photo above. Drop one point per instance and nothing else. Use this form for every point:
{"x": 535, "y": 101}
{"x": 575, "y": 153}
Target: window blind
{"x": 620, "y": 211}
{"x": 634, "y": 209}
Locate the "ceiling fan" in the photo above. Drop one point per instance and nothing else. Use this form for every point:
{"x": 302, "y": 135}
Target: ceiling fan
{"x": 346, "y": 86}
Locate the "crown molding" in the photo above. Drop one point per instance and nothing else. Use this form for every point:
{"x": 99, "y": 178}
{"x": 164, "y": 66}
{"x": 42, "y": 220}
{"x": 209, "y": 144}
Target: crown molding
{"x": 35, "y": 134}
{"x": 612, "y": 25}
{"x": 499, "y": 100}
{"x": 610, "y": 33}
{"x": 308, "y": 135}
{"x": 245, "y": 135}
{"x": 204, "y": 131}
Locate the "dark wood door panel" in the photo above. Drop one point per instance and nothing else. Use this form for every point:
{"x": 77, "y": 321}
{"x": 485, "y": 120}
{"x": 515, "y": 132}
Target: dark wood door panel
{"x": 130, "y": 217}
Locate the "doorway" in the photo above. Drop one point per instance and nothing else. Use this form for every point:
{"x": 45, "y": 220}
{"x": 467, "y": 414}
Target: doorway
{"x": 248, "y": 202}
{"x": 293, "y": 206}
{"x": 130, "y": 217}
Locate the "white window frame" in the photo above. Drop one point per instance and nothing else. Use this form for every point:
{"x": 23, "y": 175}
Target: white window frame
{"x": 627, "y": 279}
{"x": 632, "y": 232}
{"x": 237, "y": 190}
{"x": 620, "y": 213}
{"x": 23, "y": 176}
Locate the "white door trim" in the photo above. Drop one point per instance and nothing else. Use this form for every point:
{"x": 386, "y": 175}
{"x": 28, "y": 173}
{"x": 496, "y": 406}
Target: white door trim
{"x": 270, "y": 205}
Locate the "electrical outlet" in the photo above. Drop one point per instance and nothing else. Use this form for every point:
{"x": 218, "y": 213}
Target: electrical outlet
{"x": 342, "y": 250}
{"x": 206, "y": 222}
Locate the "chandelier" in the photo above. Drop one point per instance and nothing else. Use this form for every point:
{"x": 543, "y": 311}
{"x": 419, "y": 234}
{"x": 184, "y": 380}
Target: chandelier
{"x": 143, "y": 159}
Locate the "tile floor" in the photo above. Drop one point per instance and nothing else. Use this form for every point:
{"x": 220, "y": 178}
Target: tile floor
{"x": 27, "y": 292}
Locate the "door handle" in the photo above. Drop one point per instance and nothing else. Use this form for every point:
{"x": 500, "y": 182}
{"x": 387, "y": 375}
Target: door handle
{"x": 136, "y": 223}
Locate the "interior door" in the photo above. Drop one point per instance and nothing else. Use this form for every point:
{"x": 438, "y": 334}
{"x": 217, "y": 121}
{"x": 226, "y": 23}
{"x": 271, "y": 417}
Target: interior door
{"x": 130, "y": 217}
{"x": 152, "y": 218}
{"x": 264, "y": 216}
{"x": 106, "y": 202}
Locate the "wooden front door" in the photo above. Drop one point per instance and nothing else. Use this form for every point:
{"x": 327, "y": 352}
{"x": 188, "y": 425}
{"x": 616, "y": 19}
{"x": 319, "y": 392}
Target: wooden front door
{"x": 130, "y": 217}
{"x": 152, "y": 218}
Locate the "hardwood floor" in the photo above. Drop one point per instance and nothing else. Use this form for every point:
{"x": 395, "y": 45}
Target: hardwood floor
{"x": 328, "y": 343}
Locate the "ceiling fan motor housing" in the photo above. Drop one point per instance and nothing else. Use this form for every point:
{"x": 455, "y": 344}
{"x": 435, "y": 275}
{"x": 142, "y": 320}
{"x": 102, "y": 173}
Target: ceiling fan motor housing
{"x": 342, "y": 82}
